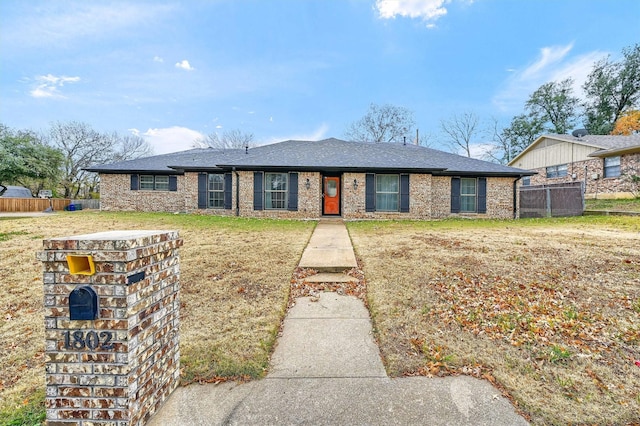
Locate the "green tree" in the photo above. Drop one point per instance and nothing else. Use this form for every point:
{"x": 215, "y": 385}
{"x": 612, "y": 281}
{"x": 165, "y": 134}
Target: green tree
{"x": 25, "y": 160}
{"x": 554, "y": 105}
{"x": 611, "y": 89}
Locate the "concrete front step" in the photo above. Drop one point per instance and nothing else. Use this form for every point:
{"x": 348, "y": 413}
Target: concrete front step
{"x": 330, "y": 277}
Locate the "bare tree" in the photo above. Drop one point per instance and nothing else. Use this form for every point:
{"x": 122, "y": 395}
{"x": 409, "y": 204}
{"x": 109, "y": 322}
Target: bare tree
{"x": 460, "y": 131}
{"x": 81, "y": 147}
{"x": 382, "y": 123}
{"x": 232, "y": 139}
{"x": 129, "y": 147}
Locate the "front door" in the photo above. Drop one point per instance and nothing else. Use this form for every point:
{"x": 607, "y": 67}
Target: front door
{"x": 331, "y": 195}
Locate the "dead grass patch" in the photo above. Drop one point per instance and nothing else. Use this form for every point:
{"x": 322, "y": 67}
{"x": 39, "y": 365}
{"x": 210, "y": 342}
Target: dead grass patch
{"x": 546, "y": 309}
{"x": 235, "y": 276}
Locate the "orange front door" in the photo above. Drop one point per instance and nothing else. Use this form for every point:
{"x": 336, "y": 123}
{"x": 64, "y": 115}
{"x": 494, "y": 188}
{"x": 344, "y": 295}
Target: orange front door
{"x": 331, "y": 195}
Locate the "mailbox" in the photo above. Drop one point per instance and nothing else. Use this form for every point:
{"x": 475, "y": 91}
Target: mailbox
{"x": 81, "y": 264}
{"x": 83, "y": 304}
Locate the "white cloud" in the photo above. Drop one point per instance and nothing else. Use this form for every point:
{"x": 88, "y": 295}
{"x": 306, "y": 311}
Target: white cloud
{"x": 158, "y": 59}
{"x": 58, "y": 23}
{"x": 185, "y": 65}
{"x": 554, "y": 63}
{"x": 170, "y": 139}
{"x": 427, "y": 10}
{"x": 46, "y": 86}
{"x": 481, "y": 150}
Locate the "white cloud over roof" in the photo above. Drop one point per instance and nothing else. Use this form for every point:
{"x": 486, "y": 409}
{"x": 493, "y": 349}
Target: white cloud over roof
{"x": 553, "y": 63}
{"x": 46, "y": 86}
{"x": 427, "y": 10}
{"x": 170, "y": 139}
{"x": 185, "y": 65}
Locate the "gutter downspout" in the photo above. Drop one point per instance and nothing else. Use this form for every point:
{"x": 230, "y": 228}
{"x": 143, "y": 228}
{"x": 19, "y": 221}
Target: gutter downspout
{"x": 515, "y": 197}
{"x": 237, "y": 191}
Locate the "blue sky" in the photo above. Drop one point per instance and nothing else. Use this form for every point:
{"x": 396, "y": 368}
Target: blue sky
{"x": 173, "y": 71}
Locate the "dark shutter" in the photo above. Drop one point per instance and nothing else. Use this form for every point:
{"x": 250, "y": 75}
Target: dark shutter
{"x": 228, "y": 184}
{"x": 202, "y": 190}
{"x": 482, "y": 195}
{"x": 257, "y": 191}
{"x": 404, "y": 193}
{"x": 173, "y": 183}
{"x": 135, "y": 185}
{"x": 455, "y": 195}
{"x": 292, "y": 203}
{"x": 370, "y": 193}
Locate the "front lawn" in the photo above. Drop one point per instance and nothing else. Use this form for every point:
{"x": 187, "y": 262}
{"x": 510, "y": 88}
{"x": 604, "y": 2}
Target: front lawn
{"x": 621, "y": 205}
{"x": 548, "y": 310}
{"x": 235, "y": 276}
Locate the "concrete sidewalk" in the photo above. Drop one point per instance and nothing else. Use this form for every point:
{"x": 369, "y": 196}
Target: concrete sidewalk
{"x": 329, "y": 249}
{"x": 326, "y": 370}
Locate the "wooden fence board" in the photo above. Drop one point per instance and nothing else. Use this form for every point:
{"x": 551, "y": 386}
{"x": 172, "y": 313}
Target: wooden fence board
{"x": 11, "y": 205}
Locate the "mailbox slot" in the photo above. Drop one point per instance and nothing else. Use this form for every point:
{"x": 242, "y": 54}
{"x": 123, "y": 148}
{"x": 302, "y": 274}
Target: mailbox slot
{"x": 81, "y": 264}
{"x": 83, "y": 304}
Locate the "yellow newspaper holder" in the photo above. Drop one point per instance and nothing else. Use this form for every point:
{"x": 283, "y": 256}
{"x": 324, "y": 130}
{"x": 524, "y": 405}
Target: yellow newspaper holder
{"x": 81, "y": 264}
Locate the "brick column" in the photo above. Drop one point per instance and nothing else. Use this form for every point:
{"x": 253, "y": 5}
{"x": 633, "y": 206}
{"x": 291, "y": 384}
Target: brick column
{"x": 118, "y": 368}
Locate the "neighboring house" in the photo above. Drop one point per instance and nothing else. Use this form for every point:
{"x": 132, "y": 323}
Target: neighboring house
{"x": 307, "y": 179}
{"x": 604, "y": 164}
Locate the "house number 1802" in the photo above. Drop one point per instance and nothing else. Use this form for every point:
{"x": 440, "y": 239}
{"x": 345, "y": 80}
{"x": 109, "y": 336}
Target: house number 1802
{"x": 81, "y": 339}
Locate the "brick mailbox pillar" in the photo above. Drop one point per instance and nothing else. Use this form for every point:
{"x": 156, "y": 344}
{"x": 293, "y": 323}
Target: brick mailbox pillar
{"x": 111, "y": 326}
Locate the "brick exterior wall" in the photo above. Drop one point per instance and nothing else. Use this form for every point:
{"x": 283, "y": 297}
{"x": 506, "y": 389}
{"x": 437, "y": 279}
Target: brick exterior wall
{"x": 119, "y": 368}
{"x": 602, "y": 187}
{"x": 116, "y": 195}
{"x": 430, "y": 197}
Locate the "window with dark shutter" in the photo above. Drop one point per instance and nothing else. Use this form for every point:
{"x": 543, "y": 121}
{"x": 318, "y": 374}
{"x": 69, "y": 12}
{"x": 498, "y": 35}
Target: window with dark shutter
{"x": 293, "y": 192}
{"x": 173, "y": 183}
{"x": 228, "y": 184}
{"x": 370, "y": 193}
{"x": 455, "y": 195}
{"x": 134, "y": 182}
{"x": 404, "y": 193}
{"x": 482, "y": 195}
{"x": 202, "y": 190}
{"x": 257, "y": 191}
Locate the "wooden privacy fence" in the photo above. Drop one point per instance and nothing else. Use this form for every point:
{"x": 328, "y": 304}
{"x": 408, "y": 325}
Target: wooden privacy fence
{"x": 562, "y": 199}
{"x": 31, "y": 204}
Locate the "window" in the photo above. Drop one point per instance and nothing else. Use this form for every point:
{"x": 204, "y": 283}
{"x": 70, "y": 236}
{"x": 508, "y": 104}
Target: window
{"x": 468, "y": 195}
{"x": 275, "y": 190}
{"x": 216, "y": 191}
{"x": 556, "y": 171}
{"x": 526, "y": 181}
{"x": 161, "y": 183}
{"x": 146, "y": 182}
{"x": 612, "y": 167}
{"x": 154, "y": 183}
{"x": 387, "y": 193}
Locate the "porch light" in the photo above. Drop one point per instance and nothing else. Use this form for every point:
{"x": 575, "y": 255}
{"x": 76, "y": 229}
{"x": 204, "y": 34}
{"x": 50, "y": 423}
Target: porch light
{"x": 355, "y": 184}
{"x": 307, "y": 184}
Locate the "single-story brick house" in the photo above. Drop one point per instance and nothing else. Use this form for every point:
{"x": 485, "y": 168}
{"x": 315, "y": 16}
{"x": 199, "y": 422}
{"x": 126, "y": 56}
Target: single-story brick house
{"x": 602, "y": 163}
{"x": 311, "y": 179}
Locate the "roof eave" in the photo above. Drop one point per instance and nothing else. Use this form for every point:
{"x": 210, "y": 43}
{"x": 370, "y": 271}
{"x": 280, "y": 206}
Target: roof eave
{"x": 615, "y": 151}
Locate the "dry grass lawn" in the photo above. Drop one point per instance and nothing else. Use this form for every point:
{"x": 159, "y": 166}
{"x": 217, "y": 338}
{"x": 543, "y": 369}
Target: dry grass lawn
{"x": 235, "y": 276}
{"x": 549, "y": 310}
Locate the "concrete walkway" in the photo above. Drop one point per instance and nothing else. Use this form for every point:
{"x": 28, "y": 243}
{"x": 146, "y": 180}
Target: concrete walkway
{"x": 326, "y": 370}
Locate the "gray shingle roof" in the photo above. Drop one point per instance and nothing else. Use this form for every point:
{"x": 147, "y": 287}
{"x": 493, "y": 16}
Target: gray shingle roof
{"x": 200, "y": 158}
{"x": 329, "y": 154}
{"x": 601, "y": 141}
